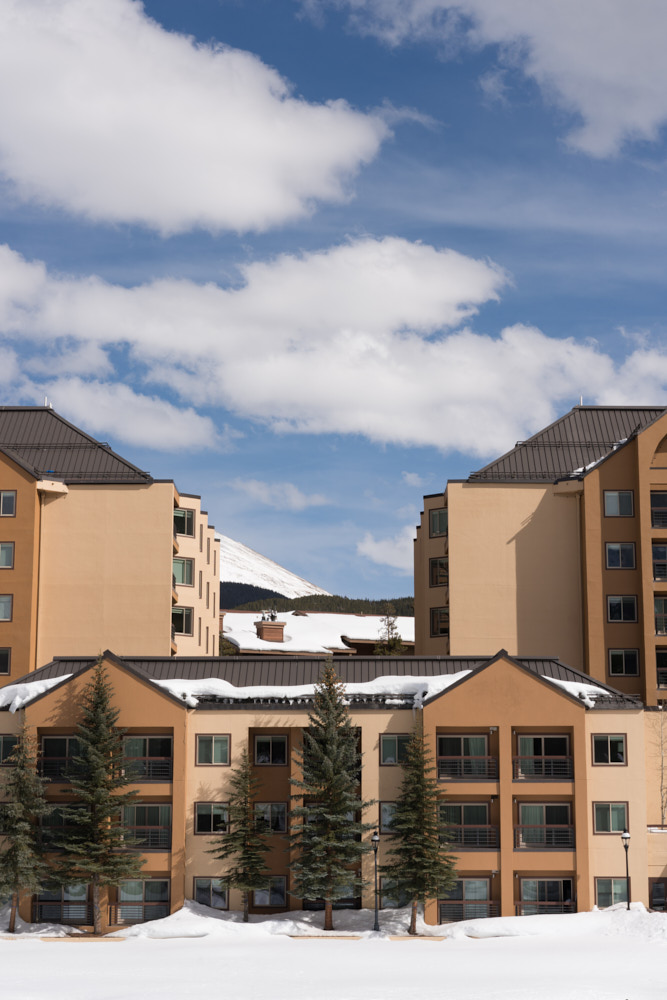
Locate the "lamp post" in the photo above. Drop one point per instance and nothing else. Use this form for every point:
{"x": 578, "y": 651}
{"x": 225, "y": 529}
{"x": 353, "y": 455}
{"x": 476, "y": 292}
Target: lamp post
{"x": 375, "y": 841}
{"x": 625, "y": 837}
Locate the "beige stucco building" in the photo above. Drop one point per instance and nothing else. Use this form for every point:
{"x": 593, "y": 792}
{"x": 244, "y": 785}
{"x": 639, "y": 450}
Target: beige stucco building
{"x": 90, "y": 546}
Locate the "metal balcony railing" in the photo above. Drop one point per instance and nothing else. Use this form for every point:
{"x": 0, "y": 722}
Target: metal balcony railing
{"x": 659, "y": 569}
{"x": 137, "y": 913}
{"x": 470, "y": 837}
{"x": 658, "y": 517}
{"x": 453, "y": 910}
{"x": 62, "y": 913}
{"x": 150, "y": 838}
{"x": 526, "y": 909}
{"x": 149, "y": 768}
{"x": 661, "y": 624}
{"x": 542, "y": 768}
{"x": 58, "y": 768}
{"x": 662, "y": 677}
{"x": 538, "y": 838}
{"x": 467, "y": 768}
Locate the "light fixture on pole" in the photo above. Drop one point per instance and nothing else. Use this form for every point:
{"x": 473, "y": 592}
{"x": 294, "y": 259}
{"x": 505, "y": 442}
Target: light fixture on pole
{"x": 625, "y": 837}
{"x": 375, "y": 841}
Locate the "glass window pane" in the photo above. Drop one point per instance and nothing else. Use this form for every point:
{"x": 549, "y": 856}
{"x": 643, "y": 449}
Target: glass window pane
{"x": 476, "y": 888}
{"x": 279, "y": 750}
{"x": 221, "y": 750}
{"x": 75, "y": 893}
{"x": 5, "y": 607}
{"x": 388, "y": 749}
{"x": 131, "y": 892}
{"x": 474, "y": 746}
{"x": 618, "y": 817}
{"x": 6, "y": 555}
{"x": 617, "y": 749}
{"x": 619, "y": 890}
{"x": 205, "y": 749}
{"x": 602, "y": 818}
{"x": 387, "y": 813}
{"x": 449, "y": 746}
{"x": 557, "y": 813}
{"x": 156, "y": 891}
{"x": 135, "y": 746}
{"x": 475, "y": 814}
{"x": 529, "y": 890}
{"x": 262, "y": 750}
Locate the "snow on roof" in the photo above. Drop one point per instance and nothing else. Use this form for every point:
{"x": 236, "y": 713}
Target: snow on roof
{"x": 16, "y": 696}
{"x": 313, "y": 632}
{"x": 588, "y": 693}
{"x": 393, "y": 690}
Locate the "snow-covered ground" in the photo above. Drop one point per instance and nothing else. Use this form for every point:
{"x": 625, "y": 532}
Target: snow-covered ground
{"x": 312, "y": 632}
{"x": 239, "y": 564}
{"x": 608, "y": 955}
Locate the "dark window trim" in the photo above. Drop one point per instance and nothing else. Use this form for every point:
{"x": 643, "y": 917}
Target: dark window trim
{"x": 432, "y": 574}
{"x": 271, "y": 736}
{"x": 439, "y": 634}
{"x": 209, "y": 833}
{"x": 273, "y": 802}
{"x": 199, "y": 763}
{"x": 185, "y": 559}
{"x": 387, "y": 763}
{"x": 437, "y": 534}
{"x": 182, "y": 607}
{"x": 614, "y": 569}
{"x": 186, "y": 534}
{"x": 272, "y": 906}
{"x": 615, "y": 802}
{"x": 208, "y": 878}
{"x": 613, "y": 878}
{"x": 8, "y": 650}
{"x": 388, "y": 832}
{"x": 11, "y": 608}
{"x": 622, "y": 621}
{"x": 611, "y": 763}
{"x": 13, "y": 545}
{"x": 604, "y": 503}
{"x": 622, "y": 649}
{"x": 2, "y": 493}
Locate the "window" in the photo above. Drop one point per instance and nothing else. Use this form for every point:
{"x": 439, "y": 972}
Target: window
{"x": 624, "y": 662}
{"x": 5, "y": 659}
{"x": 439, "y": 621}
{"x": 274, "y": 895}
{"x": 438, "y": 571}
{"x": 212, "y": 749}
{"x": 184, "y": 522}
{"x": 462, "y": 746}
{"x": 148, "y": 758}
{"x": 181, "y": 620}
{"x": 149, "y": 826}
{"x": 608, "y": 749}
{"x": 438, "y": 522}
{"x": 387, "y": 814}
{"x": 6, "y": 555}
{"x": 660, "y": 611}
{"x": 184, "y": 571}
{"x": 58, "y": 753}
{"x": 661, "y": 667}
{"x": 7, "y": 744}
{"x": 660, "y": 562}
{"x": 271, "y": 750}
{"x": 610, "y": 817}
{"x": 142, "y": 899}
{"x": 6, "y": 602}
{"x": 200, "y": 583}
{"x": 544, "y": 825}
{"x": 389, "y": 897}
{"x": 618, "y": 503}
{"x": 609, "y": 891}
{"x": 201, "y": 538}
{"x": 211, "y": 892}
{"x": 211, "y": 817}
{"x": 546, "y": 895}
{"x": 620, "y": 555}
{"x": 64, "y": 904}
{"x": 208, "y": 550}
{"x": 658, "y": 510}
{"x": 7, "y": 503}
{"x": 271, "y": 817}
{"x": 621, "y": 608}
{"x": 393, "y": 749}
{"x": 467, "y": 899}
{"x": 208, "y": 594}
{"x": 543, "y": 757}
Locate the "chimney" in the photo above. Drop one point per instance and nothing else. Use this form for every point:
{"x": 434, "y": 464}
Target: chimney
{"x": 269, "y": 629}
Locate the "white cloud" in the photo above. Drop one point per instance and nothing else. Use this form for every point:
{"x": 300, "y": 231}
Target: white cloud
{"x": 116, "y": 119}
{"x": 601, "y": 59}
{"x": 281, "y": 496}
{"x": 357, "y": 339}
{"x": 396, "y": 552}
{"x": 412, "y": 479}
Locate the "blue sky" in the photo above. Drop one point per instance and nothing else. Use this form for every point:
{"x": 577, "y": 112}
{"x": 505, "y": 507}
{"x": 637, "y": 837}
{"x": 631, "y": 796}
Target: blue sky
{"x": 312, "y": 258}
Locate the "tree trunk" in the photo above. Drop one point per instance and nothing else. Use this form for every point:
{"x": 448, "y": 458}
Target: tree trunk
{"x": 12, "y": 912}
{"x": 245, "y": 907}
{"x": 328, "y": 915}
{"x": 97, "y": 909}
{"x": 412, "y": 929}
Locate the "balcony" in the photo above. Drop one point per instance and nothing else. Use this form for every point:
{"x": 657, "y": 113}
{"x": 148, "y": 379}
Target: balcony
{"x": 58, "y": 768}
{"x": 62, "y": 913}
{"x": 525, "y": 909}
{"x": 661, "y": 623}
{"x": 451, "y": 911}
{"x": 137, "y": 913}
{"x": 467, "y": 768}
{"x": 149, "y": 768}
{"x": 471, "y": 837}
{"x": 542, "y": 768}
{"x": 662, "y": 677}
{"x": 544, "y": 838}
{"x": 659, "y": 570}
{"x": 150, "y": 838}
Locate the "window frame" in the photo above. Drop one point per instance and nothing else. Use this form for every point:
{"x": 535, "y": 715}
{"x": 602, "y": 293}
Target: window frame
{"x": 268, "y": 890}
{"x": 624, "y": 672}
{"x": 627, "y": 884}
{"x": 180, "y": 607}
{"x": 210, "y": 880}
{"x": 620, "y": 545}
{"x": 383, "y": 826}
{"x": 609, "y": 763}
{"x": 210, "y": 833}
{"x": 618, "y": 493}
{"x": 5, "y": 755}
{"x": 8, "y": 651}
{"x": 12, "y": 546}
{"x": 397, "y": 762}
{"x": 435, "y": 515}
{"x": 271, "y": 737}
{"x": 611, "y": 832}
{"x": 11, "y": 608}
{"x": 435, "y": 570}
{"x": 622, "y": 620}
{"x": 3, "y": 494}
{"x": 187, "y": 562}
{"x": 441, "y": 612}
{"x": 189, "y": 516}
{"x": 270, "y": 831}
{"x": 213, "y": 737}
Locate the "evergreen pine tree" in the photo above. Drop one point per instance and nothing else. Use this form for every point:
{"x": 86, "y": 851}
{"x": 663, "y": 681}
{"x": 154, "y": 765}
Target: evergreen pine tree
{"x": 390, "y": 642}
{"x": 420, "y": 866}
{"x": 22, "y": 865}
{"x": 97, "y": 846}
{"x": 244, "y": 844}
{"x": 325, "y": 832}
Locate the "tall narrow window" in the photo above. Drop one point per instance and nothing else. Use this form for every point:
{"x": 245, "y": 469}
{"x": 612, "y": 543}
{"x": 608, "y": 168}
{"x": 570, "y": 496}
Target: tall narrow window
{"x": 438, "y": 571}
{"x": 439, "y": 621}
{"x": 6, "y": 607}
{"x": 438, "y": 522}
{"x": 5, "y": 659}
{"x": 7, "y": 503}
{"x": 6, "y": 555}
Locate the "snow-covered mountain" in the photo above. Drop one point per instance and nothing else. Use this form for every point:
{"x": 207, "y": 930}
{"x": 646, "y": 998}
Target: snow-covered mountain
{"x": 239, "y": 564}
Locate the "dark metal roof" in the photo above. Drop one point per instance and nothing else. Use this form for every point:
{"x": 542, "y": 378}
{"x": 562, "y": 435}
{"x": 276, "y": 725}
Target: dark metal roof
{"x": 49, "y": 447}
{"x": 290, "y": 671}
{"x": 584, "y": 435}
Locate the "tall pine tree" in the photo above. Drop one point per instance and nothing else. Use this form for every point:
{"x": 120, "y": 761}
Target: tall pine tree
{"x": 326, "y": 833}
{"x": 243, "y": 846}
{"x": 420, "y": 866}
{"x": 97, "y": 846}
{"x": 22, "y": 864}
